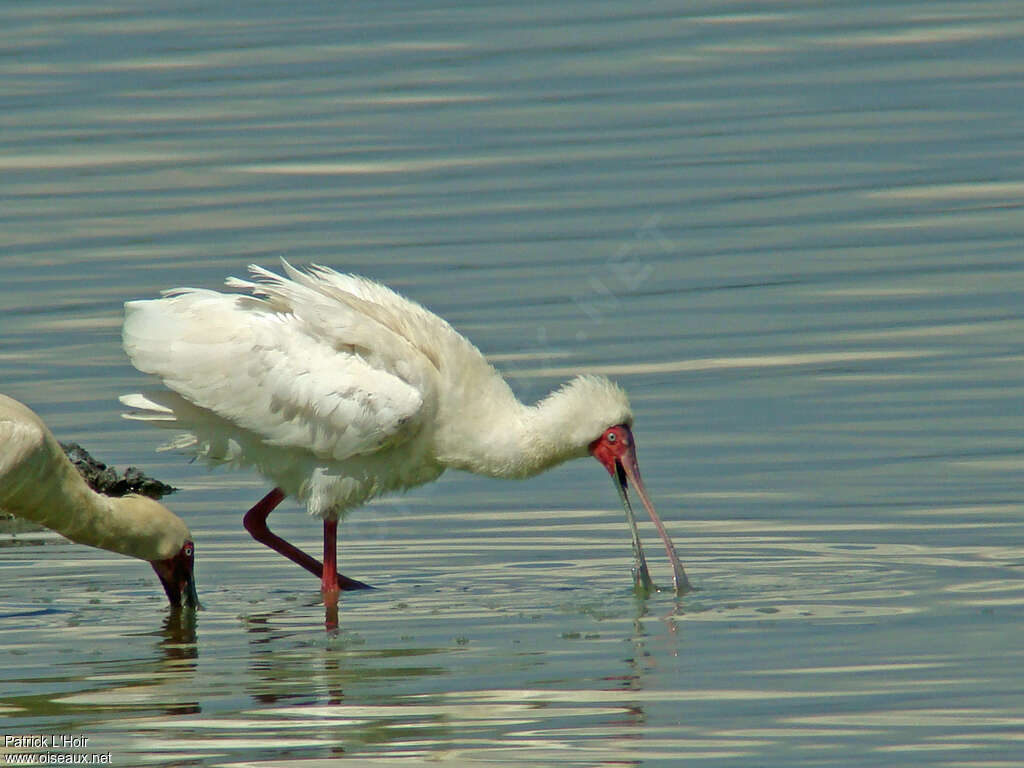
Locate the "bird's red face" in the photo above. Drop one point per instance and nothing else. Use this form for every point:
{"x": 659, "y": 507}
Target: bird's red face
{"x": 614, "y": 449}
{"x": 176, "y": 576}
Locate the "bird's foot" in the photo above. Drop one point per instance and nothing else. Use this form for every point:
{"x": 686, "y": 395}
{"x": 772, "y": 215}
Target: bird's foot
{"x": 345, "y": 584}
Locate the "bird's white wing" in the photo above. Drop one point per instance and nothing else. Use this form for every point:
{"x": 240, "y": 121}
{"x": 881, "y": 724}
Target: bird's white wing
{"x": 387, "y": 329}
{"x": 267, "y": 373}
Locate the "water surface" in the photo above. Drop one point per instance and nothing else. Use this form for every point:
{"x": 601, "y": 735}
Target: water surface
{"x": 791, "y": 231}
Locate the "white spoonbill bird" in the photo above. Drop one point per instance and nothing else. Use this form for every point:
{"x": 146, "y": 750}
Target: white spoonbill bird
{"x": 338, "y": 390}
{"x": 37, "y": 482}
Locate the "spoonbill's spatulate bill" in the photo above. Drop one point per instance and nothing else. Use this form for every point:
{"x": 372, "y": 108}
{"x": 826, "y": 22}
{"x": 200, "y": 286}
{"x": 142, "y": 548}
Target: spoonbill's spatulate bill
{"x": 338, "y": 390}
{"x": 38, "y": 482}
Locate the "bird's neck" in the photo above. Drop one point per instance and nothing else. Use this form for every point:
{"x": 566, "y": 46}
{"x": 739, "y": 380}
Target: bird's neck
{"x": 515, "y": 440}
{"x": 108, "y": 523}
{"x": 52, "y": 493}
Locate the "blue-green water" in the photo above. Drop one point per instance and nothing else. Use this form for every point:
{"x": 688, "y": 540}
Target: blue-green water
{"x": 791, "y": 230}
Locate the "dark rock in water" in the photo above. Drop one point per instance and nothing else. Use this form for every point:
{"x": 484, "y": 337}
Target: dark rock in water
{"x": 104, "y": 479}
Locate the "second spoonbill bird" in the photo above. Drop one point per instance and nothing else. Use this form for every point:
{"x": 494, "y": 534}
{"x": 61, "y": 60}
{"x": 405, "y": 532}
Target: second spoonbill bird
{"x": 338, "y": 390}
{"x": 39, "y": 483}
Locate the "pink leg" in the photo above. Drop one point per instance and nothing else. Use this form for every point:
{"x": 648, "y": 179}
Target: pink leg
{"x": 329, "y": 581}
{"x": 255, "y": 522}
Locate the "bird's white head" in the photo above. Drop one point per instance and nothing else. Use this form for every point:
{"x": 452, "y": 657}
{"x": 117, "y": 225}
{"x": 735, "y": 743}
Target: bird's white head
{"x": 616, "y": 450}
{"x": 582, "y": 410}
{"x": 597, "y": 418}
{"x": 151, "y": 532}
{"x": 177, "y": 577}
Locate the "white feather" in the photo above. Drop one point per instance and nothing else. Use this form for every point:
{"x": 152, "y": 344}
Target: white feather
{"x": 338, "y": 389}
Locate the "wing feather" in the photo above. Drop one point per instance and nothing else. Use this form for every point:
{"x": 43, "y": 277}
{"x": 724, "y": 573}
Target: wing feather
{"x": 266, "y": 370}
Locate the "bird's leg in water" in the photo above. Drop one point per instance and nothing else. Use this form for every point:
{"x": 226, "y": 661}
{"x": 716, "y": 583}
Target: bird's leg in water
{"x": 329, "y": 580}
{"x": 255, "y": 522}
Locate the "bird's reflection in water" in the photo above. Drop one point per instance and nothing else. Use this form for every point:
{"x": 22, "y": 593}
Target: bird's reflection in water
{"x": 292, "y": 661}
{"x": 179, "y": 632}
{"x": 174, "y": 665}
{"x": 281, "y": 674}
{"x": 272, "y": 679}
{"x": 644, "y": 664}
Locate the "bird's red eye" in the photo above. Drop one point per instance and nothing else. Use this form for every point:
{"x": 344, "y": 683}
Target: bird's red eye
{"x": 611, "y": 437}
{"x": 187, "y": 550}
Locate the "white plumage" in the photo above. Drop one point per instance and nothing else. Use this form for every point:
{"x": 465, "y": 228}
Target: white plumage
{"x": 338, "y": 390}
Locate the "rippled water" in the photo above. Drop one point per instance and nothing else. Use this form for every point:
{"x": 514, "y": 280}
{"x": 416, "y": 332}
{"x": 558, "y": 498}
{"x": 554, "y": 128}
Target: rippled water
{"x": 791, "y": 231}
